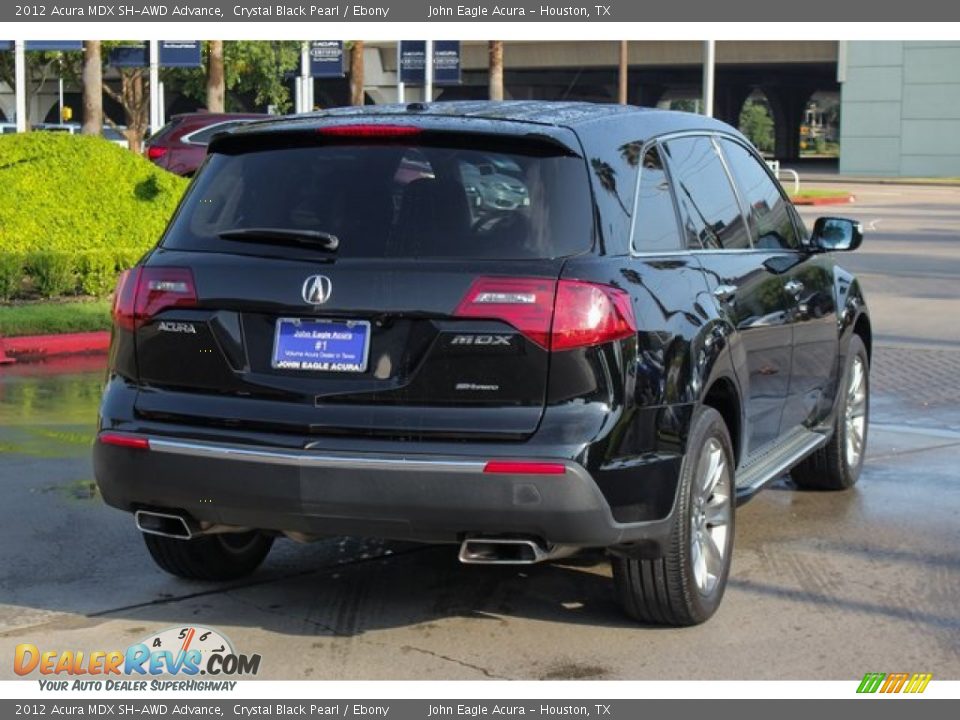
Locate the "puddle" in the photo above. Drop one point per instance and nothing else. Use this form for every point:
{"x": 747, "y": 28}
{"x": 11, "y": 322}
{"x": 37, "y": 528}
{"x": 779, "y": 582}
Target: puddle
{"x": 49, "y": 415}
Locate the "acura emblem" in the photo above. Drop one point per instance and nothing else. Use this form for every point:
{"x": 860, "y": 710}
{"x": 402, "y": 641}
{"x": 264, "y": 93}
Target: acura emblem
{"x": 317, "y": 289}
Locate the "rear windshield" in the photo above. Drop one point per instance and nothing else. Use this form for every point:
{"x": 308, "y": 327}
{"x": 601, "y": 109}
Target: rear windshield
{"x": 393, "y": 200}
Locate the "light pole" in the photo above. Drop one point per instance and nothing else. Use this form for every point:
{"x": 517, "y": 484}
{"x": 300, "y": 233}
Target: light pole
{"x": 709, "y": 60}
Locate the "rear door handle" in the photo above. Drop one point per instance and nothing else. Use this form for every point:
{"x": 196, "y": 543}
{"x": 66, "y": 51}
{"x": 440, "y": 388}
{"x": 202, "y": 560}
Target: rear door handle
{"x": 725, "y": 293}
{"x": 794, "y": 287}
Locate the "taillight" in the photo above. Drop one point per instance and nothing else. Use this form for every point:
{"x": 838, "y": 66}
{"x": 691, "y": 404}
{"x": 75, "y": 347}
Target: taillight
{"x": 524, "y": 303}
{"x": 590, "y": 314}
{"x": 146, "y": 291}
{"x": 369, "y": 130}
{"x": 155, "y": 152}
{"x": 556, "y": 315}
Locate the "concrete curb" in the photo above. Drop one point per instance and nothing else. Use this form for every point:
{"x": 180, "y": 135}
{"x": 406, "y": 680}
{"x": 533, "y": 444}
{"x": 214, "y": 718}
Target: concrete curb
{"x": 39, "y": 347}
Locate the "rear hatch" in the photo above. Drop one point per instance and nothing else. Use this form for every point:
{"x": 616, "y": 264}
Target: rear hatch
{"x": 362, "y": 279}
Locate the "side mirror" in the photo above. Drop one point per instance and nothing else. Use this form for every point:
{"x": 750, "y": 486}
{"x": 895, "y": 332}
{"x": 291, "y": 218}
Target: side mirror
{"x": 832, "y": 234}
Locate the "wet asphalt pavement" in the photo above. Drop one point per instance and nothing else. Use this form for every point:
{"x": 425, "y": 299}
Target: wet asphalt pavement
{"x": 823, "y": 586}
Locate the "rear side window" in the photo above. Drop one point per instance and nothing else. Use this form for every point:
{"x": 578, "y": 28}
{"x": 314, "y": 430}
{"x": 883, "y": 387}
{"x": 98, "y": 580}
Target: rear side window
{"x": 708, "y": 204}
{"x": 655, "y": 227}
{"x": 769, "y": 210}
{"x": 394, "y": 200}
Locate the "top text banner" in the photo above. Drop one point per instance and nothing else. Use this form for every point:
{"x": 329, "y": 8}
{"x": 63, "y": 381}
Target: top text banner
{"x": 130, "y": 11}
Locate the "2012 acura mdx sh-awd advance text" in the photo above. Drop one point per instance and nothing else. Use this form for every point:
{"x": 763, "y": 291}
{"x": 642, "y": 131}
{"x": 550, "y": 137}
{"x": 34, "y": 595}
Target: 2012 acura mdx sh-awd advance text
{"x": 343, "y": 332}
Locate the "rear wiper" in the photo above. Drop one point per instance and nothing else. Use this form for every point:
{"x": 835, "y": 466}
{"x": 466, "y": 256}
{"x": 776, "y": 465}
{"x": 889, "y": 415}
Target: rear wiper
{"x": 325, "y": 240}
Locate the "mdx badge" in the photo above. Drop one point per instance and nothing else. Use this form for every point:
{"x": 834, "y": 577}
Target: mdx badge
{"x": 481, "y": 340}
{"x": 317, "y": 289}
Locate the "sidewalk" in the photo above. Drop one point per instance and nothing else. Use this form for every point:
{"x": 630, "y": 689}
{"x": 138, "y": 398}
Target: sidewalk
{"x": 812, "y": 172}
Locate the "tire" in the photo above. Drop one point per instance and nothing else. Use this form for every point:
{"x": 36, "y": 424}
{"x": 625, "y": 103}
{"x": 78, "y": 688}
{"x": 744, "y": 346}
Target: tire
{"x": 676, "y": 589}
{"x": 837, "y": 465}
{"x": 209, "y": 557}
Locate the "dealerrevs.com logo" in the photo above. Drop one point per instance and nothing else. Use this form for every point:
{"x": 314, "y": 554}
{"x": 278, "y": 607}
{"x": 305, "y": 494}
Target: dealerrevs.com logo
{"x": 177, "y": 651}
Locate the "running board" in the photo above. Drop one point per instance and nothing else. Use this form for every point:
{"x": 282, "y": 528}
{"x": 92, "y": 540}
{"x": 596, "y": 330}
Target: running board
{"x": 769, "y": 464}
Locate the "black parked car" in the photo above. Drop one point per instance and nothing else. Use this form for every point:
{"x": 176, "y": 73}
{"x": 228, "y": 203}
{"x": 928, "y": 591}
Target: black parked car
{"x": 325, "y": 343}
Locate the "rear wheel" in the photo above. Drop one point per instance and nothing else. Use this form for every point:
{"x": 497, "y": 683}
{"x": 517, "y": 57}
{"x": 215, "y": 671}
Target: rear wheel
{"x": 224, "y": 556}
{"x": 837, "y": 465}
{"x": 686, "y": 585}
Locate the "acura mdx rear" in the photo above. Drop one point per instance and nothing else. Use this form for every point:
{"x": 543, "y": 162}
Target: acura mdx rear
{"x": 394, "y": 325}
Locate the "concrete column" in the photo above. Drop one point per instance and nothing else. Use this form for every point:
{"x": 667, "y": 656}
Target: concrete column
{"x": 788, "y": 104}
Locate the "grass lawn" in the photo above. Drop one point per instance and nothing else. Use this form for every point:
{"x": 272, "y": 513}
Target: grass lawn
{"x": 820, "y": 193}
{"x": 41, "y": 318}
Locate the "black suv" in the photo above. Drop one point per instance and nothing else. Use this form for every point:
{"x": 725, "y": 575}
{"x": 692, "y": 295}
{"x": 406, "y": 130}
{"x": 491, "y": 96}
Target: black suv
{"x": 526, "y": 328}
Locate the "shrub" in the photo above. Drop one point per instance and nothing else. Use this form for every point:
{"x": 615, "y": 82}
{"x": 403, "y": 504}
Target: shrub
{"x": 97, "y": 271}
{"x": 11, "y": 274}
{"x": 75, "y": 194}
{"x": 52, "y": 272}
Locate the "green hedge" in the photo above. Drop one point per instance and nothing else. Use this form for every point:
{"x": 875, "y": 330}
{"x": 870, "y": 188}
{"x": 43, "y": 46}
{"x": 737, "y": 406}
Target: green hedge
{"x": 74, "y": 211}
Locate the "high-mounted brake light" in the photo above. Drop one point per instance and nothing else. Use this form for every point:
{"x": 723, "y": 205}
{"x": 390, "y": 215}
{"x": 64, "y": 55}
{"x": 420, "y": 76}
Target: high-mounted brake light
{"x": 556, "y": 315}
{"x": 145, "y": 291}
{"x": 126, "y": 441}
{"x": 509, "y": 467}
{"x": 369, "y": 130}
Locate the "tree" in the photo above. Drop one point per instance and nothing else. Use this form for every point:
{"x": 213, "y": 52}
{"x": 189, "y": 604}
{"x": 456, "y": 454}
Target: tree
{"x": 255, "y": 74}
{"x": 92, "y": 80}
{"x": 496, "y": 69}
{"x": 356, "y": 73}
{"x": 216, "y": 82}
{"x": 757, "y": 125}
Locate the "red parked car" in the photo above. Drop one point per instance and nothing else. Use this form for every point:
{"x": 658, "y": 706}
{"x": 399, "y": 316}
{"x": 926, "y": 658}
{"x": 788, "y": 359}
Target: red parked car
{"x": 181, "y": 145}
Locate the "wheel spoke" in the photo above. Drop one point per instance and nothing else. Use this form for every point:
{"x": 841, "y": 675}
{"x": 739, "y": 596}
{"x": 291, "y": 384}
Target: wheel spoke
{"x": 699, "y": 564}
{"x": 718, "y": 511}
{"x": 714, "y": 558}
{"x": 714, "y": 472}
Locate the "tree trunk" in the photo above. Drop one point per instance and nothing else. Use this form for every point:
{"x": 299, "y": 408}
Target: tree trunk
{"x": 136, "y": 106}
{"x": 216, "y": 86}
{"x": 496, "y": 70}
{"x": 624, "y": 64}
{"x": 92, "y": 78}
{"x": 356, "y": 73}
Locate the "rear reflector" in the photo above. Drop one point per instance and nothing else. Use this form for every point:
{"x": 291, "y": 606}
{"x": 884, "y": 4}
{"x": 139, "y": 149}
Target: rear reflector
{"x": 369, "y": 130}
{"x": 145, "y": 291}
{"x": 126, "y": 441}
{"x": 555, "y": 315}
{"x": 506, "y": 467}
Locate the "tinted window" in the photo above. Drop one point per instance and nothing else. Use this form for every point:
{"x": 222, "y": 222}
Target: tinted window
{"x": 395, "y": 200}
{"x": 769, "y": 210}
{"x": 708, "y": 205}
{"x": 655, "y": 227}
{"x": 613, "y": 153}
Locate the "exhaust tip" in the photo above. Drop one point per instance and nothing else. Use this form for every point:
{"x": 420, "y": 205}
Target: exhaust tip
{"x": 501, "y": 551}
{"x": 163, "y": 524}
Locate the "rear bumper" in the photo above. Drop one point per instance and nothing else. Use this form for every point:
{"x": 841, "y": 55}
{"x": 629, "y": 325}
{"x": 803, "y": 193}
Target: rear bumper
{"x": 422, "y": 497}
